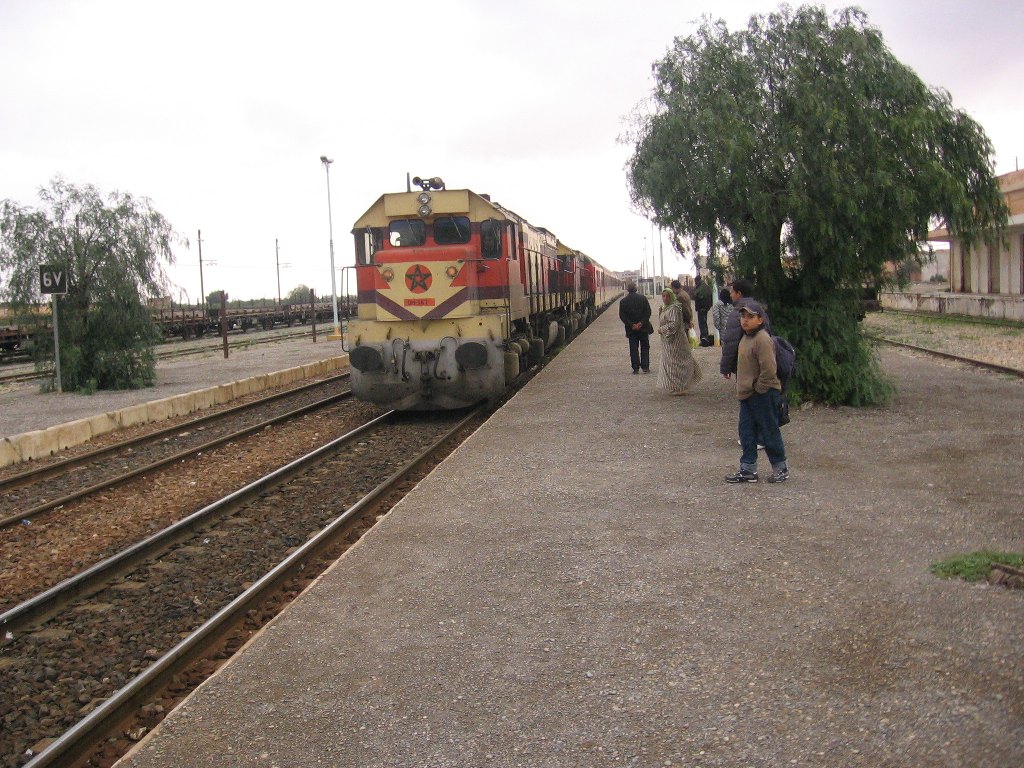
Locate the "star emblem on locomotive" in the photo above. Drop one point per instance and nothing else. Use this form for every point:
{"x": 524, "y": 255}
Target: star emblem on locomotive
{"x": 418, "y": 278}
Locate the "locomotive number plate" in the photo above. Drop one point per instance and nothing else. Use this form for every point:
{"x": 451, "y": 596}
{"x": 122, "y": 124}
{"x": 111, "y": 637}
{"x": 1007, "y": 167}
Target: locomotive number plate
{"x": 419, "y": 302}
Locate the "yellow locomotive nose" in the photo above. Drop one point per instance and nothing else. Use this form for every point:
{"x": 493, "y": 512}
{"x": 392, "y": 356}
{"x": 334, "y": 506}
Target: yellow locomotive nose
{"x": 456, "y": 295}
{"x": 426, "y": 289}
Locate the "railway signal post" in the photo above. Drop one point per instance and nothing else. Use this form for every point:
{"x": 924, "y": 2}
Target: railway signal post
{"x": 53, "y": 280}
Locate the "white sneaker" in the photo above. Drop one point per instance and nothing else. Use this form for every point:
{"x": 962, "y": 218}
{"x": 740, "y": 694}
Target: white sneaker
{"x": 759, "y": 446}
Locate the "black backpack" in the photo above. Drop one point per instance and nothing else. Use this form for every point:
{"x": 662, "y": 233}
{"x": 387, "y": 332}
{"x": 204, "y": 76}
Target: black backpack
{"x": 785, "y": 365}
{"x": 785, "y": 360}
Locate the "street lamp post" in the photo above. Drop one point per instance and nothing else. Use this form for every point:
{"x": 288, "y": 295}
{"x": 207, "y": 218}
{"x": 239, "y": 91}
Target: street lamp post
{"x": 330, "y": 222}
{"x": 661, "y": 254}
{"x": 642, "y": 290}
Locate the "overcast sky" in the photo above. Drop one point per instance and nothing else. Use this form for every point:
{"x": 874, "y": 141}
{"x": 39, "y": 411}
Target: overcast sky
{"x": 219, "y": 111}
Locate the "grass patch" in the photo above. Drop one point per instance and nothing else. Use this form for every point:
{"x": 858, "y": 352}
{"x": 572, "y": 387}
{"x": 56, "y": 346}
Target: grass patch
{"x": 974, "y": 566}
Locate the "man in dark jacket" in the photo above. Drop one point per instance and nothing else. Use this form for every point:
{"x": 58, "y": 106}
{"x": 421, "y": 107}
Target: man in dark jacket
{"x": 635, "y": 314}
{"x": 741, "y": 293}
{"x": 702, "y": 301}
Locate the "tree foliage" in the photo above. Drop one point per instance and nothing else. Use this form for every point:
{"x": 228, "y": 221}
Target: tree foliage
{"x": 113, "y": 250}
{"x": 804, "y": 152}
{"x": 298, "y": 295}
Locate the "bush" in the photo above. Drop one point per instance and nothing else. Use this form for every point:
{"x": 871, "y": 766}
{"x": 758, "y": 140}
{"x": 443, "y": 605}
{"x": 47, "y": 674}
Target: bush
{"x": 836, "y": 365}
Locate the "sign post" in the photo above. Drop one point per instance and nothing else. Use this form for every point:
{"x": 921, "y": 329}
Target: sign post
{"x": 53, "y": 279}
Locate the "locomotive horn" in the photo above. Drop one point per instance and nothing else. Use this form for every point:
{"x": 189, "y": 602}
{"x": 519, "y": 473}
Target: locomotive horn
{"x": 425, "y": 184}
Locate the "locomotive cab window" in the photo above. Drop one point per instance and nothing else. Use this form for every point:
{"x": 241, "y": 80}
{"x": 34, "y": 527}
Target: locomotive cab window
{"x": 368, "y": 242}
{"x": 490, "y": 239}
{"x": 451, "y": 230}
{"x": 407, "y": 233}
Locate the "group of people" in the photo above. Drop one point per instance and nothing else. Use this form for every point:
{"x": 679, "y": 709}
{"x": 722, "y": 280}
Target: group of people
{"x": 748, "y": 354}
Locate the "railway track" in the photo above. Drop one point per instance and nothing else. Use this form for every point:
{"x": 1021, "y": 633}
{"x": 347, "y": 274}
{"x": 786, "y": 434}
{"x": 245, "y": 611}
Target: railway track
{"x": 25, "y": 495}
{"x": 26, "y": 372}
{"x": 116, "y": 635}
{"x": 16, "y": 377}
{"x": 948, "y": 356}
{"x": 90, "y": 666}
{"x": 235, "y": 343}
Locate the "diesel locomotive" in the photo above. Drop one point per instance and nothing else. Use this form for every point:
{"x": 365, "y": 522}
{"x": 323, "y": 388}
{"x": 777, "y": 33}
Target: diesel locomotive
{"x": 456, "y": 295}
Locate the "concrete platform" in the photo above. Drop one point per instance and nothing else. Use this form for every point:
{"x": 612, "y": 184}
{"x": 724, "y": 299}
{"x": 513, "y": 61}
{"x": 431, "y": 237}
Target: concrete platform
{"x": 576, "y": 586}
{"x": 34, "y": 424}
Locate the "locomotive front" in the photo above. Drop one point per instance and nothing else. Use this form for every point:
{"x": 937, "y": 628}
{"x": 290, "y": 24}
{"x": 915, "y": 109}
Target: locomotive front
{"x": 433, "y": 300}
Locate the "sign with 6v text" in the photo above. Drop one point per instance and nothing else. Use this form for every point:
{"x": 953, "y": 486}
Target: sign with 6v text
{"x": 53, "y": 278}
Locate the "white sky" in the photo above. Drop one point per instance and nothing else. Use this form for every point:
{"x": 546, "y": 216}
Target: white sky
{"x": 219, "y": 111}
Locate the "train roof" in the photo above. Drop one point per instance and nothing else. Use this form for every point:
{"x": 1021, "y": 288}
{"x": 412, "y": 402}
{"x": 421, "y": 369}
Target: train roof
{"x": 400, "y": 205}
{"x": 564, "y": 250}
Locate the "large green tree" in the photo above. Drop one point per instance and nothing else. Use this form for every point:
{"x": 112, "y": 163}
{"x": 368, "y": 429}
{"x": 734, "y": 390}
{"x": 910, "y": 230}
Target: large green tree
{"x": 804, "y": 152}
{"x": 114, "y": 251}
{"x": 298, "y": 295}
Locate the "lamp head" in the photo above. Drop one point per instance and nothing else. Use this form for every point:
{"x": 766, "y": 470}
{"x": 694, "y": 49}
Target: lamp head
{"x": 324, "y": 160}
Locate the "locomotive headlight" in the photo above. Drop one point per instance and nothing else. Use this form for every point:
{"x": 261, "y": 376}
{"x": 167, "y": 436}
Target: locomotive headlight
{"x": 424, "y": 210}
{"x": 452, "y": 271}
{"x": 366, "y": 359}
{"x": 388, "y": 274}
{"x": 471, "y": 355}
{"x": 423, "y": 197}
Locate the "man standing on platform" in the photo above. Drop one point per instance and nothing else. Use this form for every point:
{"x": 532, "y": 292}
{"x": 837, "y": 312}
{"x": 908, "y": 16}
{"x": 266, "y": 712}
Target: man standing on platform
{"x": 635, "y": 314}
{"x": 741, "y": 292}
{"x": 702, "y": 301}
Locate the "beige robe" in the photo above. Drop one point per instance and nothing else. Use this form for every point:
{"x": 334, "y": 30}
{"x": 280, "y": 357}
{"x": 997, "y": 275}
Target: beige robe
{"x": 678, "y": 369}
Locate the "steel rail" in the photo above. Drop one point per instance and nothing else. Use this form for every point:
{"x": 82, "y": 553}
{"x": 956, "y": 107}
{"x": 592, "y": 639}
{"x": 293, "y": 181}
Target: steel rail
{"x": 91, "y": 579}
{"x": 948, "y": 356}
{"x": 172, "y": 354}
{"x": 216, "y": 345}
{"x": 16, "y": 378}
{"x": 63, "y": 465}
{"x": 179, "y": 456}
{"x": 81, "y": 738}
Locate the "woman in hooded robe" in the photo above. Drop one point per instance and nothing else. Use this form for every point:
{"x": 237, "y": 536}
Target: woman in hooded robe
{"x": 678, "y": 369}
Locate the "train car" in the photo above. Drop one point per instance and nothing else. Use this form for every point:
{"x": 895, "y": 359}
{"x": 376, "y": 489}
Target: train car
{"x": 457, "y": 295}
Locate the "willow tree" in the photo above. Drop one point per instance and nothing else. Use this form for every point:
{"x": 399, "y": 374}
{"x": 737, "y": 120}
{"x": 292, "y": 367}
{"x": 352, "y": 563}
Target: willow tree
{"x": 113, "y": 251}
{"x": 804, "y": 151}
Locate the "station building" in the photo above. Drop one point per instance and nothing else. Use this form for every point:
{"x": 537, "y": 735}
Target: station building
{"x": 985, "y": 279}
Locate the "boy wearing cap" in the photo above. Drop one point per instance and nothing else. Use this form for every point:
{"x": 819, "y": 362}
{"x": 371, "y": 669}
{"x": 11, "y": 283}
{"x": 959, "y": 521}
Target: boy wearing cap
{"x": 759, "y": 390}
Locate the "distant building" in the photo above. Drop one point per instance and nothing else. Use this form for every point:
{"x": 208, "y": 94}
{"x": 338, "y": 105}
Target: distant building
{"x": 936, "y": 270}
{"x": 630, "y": 274}
{"x": 991, "y": 269}
{"x": 985, "y": 280}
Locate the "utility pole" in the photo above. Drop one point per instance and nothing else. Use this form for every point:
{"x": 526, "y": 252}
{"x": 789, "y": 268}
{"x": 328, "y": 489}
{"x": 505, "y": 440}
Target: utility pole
{"x": 202, "y": 291}
{"x": 661, "y": 252}
{"x": 277, "y": 260}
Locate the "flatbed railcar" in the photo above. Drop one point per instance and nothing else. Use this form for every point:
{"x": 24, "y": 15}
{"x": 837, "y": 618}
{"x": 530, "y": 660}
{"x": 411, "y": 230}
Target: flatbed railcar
{"x": 456, "y": 295}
